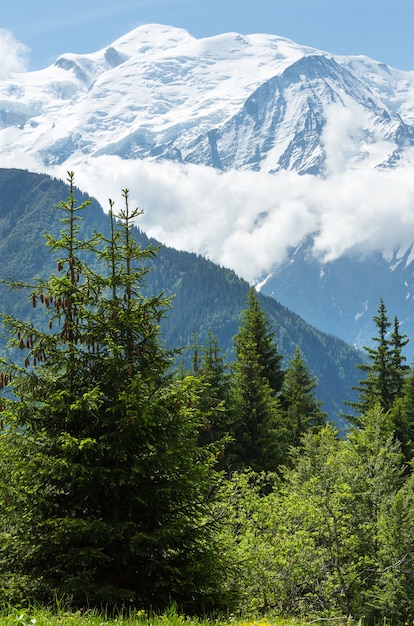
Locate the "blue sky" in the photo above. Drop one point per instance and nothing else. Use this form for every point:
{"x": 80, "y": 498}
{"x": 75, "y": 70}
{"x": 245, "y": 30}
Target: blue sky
{"x": 382, "y": 30}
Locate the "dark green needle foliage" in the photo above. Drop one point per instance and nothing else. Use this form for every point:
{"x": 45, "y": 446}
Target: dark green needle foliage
{"x": 255, "y": 327}
{"x": 302, "y": 411}
{"x": 402, "y": 414}
{"x": 209, "y": 365}
{"x": 106, "y": 490}
{"x": 385, "y": 368}
{"x": 254, "y": 408}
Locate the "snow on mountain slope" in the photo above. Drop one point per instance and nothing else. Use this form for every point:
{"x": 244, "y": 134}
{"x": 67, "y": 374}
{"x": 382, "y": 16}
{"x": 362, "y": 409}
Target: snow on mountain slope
{"x": 153, "y": 85}
{"x": 231, "y": 101}
{"x": 281, "y": 124}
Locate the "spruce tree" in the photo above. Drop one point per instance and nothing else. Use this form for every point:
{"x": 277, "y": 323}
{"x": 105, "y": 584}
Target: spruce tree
{"x": 402, "y": 415}
{"x": 399, "y": 369}
{"x": 106, "y": 488}
{"x": 385, "y": 369}
{"x": 255, "y": 327}
{"x": 209, "y": 365}
{"x": 254, "y": 409}
{"x": 302, "y": 411}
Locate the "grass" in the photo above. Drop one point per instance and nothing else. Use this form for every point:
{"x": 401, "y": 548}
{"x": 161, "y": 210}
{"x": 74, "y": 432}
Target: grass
{"x": 46, "y": 617}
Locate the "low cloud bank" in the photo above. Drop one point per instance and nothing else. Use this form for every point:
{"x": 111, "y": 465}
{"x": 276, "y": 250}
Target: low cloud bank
{"x": 247, "y": 220}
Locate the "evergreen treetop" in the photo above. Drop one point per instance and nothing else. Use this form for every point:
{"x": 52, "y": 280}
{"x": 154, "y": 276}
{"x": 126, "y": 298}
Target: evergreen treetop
{"x": 256, "y": 328}
{"x": 385, "y": 369}
{"x": 302, "y": 410}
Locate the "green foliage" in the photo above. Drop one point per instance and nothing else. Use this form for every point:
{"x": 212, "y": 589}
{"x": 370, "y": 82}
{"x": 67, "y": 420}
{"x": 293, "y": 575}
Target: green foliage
{"x": 314, "y": 541}
{"x": 256, "y": 328}
{"x": 107, "y": 491}
{"x": 393, "y": 594}
{"x": 210, "y": 367}
{"x": 110, "y": 491}
{"x": 402, "y": 415}
{"x": 59, "y": 616}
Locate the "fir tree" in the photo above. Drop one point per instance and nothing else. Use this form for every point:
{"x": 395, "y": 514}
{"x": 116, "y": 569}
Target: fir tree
{"x": 209, "y": 365}
{"x": 255, "y": 327}
{"x": 106, "y": 489}
{"x": 398, "y": 366}
{"x": 402, "y": 415}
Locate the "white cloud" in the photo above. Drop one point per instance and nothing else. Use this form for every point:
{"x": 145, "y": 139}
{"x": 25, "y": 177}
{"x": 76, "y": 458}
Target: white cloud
{"x": 14, "y": 54}
{"x": 248, "y": 220}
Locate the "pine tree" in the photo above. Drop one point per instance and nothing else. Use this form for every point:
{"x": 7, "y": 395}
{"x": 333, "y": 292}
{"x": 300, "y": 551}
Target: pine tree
{"x": 402, "y": 415}
{"x": 106, "y": 489}
{"x": 397, "y": 360}
{"x": 209, "y": 365}
{"x": 302, "y": 410}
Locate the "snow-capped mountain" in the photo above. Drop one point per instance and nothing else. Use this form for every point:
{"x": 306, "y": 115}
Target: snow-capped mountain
{"x": 231, "y": 101}
{"x": 290, "y": 165}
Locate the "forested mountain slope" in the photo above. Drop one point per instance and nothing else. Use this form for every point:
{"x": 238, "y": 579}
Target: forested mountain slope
{"x": 206, "y": 297}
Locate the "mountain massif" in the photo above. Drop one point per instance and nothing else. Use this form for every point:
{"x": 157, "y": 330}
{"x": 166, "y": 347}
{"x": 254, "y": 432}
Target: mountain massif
{"x": 237, "y": 103}
{"x": 230, "y": 101}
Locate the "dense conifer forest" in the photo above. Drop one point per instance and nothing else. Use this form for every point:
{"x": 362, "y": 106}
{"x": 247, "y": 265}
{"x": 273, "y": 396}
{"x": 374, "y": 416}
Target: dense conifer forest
{"x": 139, "y": 474}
